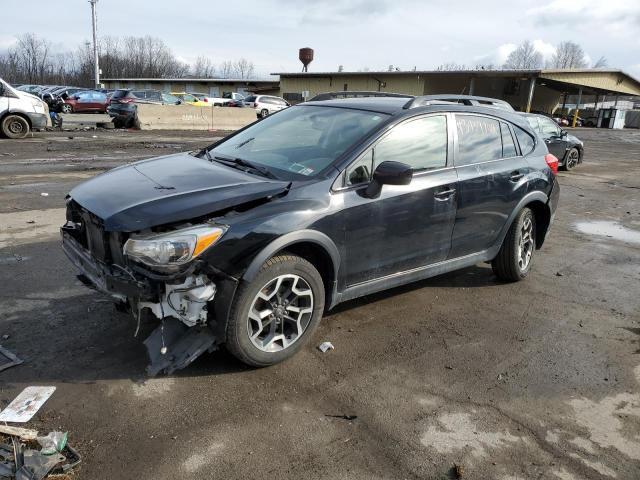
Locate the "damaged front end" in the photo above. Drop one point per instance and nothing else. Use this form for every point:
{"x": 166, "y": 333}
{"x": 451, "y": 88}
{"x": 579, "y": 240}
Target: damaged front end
{"x": 158, "y": 272}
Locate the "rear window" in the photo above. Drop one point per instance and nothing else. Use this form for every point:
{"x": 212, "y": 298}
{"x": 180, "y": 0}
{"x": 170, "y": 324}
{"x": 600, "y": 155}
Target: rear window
{"x": 479, "y": 139}
{"x": 119, "y": 93}
{"x": 508, "y": 145}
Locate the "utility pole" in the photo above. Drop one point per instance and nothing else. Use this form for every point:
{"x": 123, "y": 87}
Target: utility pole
{"x": 94, "y": 19}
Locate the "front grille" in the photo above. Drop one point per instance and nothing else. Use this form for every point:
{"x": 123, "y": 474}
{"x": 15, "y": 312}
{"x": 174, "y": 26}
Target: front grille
{"x": 88, "y": 230}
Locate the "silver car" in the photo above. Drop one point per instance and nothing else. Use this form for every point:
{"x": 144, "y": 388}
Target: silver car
{"x": 265, "y": 105}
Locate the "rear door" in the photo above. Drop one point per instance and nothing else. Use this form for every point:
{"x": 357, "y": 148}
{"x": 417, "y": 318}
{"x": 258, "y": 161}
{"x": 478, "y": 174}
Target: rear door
{"x": 407, "y": 226}
{"x": 492, "y": 178}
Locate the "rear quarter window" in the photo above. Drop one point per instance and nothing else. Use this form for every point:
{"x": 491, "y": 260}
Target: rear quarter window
{"x": 525, "y": 140}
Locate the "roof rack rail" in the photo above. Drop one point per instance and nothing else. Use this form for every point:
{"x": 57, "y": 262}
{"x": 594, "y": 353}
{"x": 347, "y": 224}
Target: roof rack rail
{"x": 460, "y": 99}
{"x": 356, "y": 94}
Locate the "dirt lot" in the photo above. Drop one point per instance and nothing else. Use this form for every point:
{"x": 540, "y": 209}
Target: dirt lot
{"x": 539, "y": 379}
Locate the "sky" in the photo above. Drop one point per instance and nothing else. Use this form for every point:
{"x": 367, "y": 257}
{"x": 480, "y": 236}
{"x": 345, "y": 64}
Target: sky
{"x": 357, "y": 34}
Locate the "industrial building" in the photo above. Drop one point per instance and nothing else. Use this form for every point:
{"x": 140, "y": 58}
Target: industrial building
{"x": 214, "y": 87}
{"x": 525, "y": 90}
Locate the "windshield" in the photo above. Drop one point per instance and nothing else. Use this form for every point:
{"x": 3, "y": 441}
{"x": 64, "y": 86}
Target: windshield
{"x": 302, "y": 140}
{"x": 167, "y": 98}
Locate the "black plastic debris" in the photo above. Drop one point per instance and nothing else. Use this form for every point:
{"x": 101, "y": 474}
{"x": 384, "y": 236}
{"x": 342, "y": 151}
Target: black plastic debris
{"x": 173, "y": 346}
{"x": 8, "y": 359}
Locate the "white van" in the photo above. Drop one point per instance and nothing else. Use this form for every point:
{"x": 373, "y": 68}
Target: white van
{"x": 20, "y": 112}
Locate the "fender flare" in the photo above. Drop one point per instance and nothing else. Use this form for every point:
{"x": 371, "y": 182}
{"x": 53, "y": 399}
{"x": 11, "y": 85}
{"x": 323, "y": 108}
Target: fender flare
{"x": 280, "y": 243}
{"x": 524, "y": 201}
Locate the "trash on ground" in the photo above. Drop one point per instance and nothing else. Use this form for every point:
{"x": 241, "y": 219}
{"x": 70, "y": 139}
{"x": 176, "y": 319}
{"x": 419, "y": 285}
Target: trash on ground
{"x": 8, "y": 359}
{"x": 44, "y": 194}
{"x": 20, "y": 460}
{"x": 458, "y": 470}
{"x": 325, "y": 347}
{"x": 343, "y": 417}
{"x": 24, "y": 433}
{"x": 26, "y": 405}
{"x": 54, "y": 442}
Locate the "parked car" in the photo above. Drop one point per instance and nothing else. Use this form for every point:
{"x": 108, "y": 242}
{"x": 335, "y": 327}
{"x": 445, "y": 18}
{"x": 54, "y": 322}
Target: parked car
{"x": 84, "y": 102}
{"x": 32, "y": 89}
{"x": 123, "y": 104}
{"x": 568, "y": 148}
{"x": 190, "y": 99}
{"x": 226, "y": 98}
{"x": 55, "y": 98}
{"x": 265, "y": 105}
{"x": 247, "y": 242}
{"x": 20, "y": 112}
{"x": 203, "y": 97}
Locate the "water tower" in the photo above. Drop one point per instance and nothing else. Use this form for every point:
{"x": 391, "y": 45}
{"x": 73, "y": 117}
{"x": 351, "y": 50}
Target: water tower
{"x": 306, "y": 57}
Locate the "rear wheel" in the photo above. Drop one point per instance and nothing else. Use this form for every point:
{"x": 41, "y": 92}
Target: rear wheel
{"x": 275, "y": 315}
{"x": 14, "y": 126}
{"x": 66, "y": 108}
{"x": 572, "y": 159}
{"x": 513, "y": 261}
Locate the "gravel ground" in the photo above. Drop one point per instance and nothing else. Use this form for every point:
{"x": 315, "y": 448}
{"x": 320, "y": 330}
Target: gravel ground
{"x": 539, "y": 379}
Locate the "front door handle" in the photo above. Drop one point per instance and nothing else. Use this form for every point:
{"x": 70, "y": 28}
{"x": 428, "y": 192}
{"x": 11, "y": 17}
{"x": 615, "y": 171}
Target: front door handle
{"x": 445, "y": 194}
{"x": 515, "y": 176}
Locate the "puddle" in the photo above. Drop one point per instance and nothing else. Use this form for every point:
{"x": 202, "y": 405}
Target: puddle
{"x": 609, "y": 229}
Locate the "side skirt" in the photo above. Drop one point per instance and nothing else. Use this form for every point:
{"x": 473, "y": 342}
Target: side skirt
{"x": 416, "y": 274}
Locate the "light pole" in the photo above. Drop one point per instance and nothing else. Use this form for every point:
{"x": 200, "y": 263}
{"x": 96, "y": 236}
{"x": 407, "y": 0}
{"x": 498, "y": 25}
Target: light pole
{"x": 94, "y": 19}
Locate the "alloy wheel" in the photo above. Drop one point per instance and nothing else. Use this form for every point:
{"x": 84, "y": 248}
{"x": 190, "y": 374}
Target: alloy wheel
{"x": 526, "y": 244}
{"x": 572, "y": 159}
{"x": 280, "y": 313}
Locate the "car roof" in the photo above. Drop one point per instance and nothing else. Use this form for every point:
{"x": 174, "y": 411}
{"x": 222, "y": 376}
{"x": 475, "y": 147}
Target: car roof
{"x": 388, "y": 105}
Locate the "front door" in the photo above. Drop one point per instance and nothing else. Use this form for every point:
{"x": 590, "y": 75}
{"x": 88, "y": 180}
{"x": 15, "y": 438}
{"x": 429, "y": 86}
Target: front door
{"x": 492, "y": 178}
{"x": 552, "y": 135}
{"x": 406, "y": 226}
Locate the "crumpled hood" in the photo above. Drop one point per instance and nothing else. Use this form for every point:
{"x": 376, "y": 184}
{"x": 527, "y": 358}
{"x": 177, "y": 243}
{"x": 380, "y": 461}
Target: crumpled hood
{"x": 168, "y": 189}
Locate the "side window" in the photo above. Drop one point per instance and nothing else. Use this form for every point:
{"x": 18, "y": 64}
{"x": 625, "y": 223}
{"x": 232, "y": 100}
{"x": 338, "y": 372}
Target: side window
{"x": 479, "y": 139}
{"x": 360, "y": 171}
{"x": 533, "y": 122}
{"x": 508, "y": 145}
{"x": 525, "y": 140}
{"x": 549, "y": 128}
{"x": 139, "y": 94}
{"x": 421, "y": 144}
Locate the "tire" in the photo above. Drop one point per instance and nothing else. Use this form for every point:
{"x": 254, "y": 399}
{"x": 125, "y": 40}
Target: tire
{"x": 571, "y": 159}
{"x": 508, "y": 264}
{"x": 14, "y": 126}
{"x": 295, "y": 273}
{"x": 66, "y": 108}
{"x": 264, "y": 113}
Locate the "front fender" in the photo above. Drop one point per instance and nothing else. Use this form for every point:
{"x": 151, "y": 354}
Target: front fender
{"x": 280, "y": 243}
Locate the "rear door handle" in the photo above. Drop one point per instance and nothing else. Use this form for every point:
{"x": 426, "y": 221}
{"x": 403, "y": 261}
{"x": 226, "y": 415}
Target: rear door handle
{"x": 515, "y": 176}
{"x": 445, "y": 194}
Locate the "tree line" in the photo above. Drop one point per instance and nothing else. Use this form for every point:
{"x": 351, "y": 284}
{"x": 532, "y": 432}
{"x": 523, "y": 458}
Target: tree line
{"x": 526, "y": 57}
{"x": 32, "y": 60}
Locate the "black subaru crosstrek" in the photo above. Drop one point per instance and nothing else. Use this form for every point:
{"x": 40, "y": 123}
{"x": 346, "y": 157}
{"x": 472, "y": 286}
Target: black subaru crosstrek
{"x": 247, "y": 242}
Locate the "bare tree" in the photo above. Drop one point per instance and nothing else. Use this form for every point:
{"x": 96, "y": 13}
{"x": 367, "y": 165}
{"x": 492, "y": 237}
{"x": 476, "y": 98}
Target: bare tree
{"x": 601, "y": 63}
{"x": 243, "y": 68}
{"x": 524, "y": 57}
{"x": 568, "y": 55}
{"x": 451, "y": 66}
{"x": 203, "y": 68}
{"x": 226, "y": 69}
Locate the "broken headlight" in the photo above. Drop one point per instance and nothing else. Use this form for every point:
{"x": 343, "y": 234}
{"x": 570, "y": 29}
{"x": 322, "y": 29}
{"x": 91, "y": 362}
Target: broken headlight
{"x": 172, "y": 248}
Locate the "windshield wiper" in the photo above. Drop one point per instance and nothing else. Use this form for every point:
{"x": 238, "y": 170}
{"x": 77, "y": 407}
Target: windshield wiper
{"x": 250, "y": 165}
{"x": 206, "y": 153}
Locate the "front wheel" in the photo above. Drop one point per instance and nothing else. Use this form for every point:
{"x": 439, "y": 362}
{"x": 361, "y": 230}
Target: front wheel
{"x": 513, "y": 261}
{"x": 275, "y": 315}
{"x": 66, "y": 108}
{"x": 14, "y": 126}
{"x": 264, "y": 113}
{"x": 572, "y": 160}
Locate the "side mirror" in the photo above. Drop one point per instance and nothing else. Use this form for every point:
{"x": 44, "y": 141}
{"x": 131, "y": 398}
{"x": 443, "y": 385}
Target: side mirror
{"x": 563, "y": 133}
{"x": 388, "y": 173}
{"x": 1, "y": 90}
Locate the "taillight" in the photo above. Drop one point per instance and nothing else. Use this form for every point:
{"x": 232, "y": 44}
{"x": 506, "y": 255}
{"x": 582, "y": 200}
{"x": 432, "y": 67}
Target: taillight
{"x": 552, "y": 161}
{"x": 205, "y": 99}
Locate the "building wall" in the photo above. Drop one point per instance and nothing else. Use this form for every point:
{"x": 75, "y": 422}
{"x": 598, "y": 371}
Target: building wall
{"x": 512, "y": 89}
{"x": 409, "y": 84}
{"x": 211, "y": 88}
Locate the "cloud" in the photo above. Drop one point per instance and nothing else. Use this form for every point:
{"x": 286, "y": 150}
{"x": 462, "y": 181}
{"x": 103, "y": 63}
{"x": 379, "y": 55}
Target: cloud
{"x": 547, "y": 50}
{"x": 496, "y": 57}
